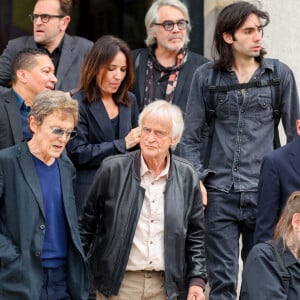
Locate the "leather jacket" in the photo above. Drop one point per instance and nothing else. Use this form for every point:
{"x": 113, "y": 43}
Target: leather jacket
{"x": 111, "y": 213}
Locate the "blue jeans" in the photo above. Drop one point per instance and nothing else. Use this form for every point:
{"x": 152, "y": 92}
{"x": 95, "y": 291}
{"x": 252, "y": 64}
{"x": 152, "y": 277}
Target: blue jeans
{"x": 227, "y": 216}
{"x": 55, "y": 285}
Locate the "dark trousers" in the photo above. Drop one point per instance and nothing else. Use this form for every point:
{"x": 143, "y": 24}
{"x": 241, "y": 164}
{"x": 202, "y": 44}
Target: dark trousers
{"x": 55, "y": 285}
{"x": 227, "y": 216}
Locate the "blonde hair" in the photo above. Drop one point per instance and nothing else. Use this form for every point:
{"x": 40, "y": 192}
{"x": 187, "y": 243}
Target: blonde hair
{"x": 284, "y": 226}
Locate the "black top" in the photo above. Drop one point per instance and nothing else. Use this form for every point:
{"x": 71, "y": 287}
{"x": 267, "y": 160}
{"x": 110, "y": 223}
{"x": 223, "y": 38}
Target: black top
{"x": 262, "y": 275}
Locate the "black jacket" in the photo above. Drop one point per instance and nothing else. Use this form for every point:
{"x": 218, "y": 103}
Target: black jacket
{"x": 111, "y": 213}
{"x": 262, "y": 275}
{"x": 11, "y": 131}
{"x": 279, "y": 177}
{"x": 22, "y": 227}
{"x": 96, "y": 139}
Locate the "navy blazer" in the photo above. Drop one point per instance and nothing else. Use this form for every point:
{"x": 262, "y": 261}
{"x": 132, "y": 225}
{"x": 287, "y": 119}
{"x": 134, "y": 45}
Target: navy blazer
{"x": 140, "y": 58}
{"x": 74, "y": 50}
{"x": 22, "y": 227}
{"x": 279, "y": 177}
{"x": 96, "y": 139}
{"x": 10, "y": 120}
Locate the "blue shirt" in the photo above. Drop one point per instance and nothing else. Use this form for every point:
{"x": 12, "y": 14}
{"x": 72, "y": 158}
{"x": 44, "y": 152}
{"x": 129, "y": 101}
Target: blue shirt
{"x": 244, "y": 126}
{"x": 54, "y": 251}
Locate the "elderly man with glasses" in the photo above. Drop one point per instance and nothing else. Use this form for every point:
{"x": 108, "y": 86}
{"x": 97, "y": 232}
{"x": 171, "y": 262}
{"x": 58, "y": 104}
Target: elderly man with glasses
{"x": 50, "y": 21}
{"x": 165, "y": 68}
{"x": 41, "y": 254}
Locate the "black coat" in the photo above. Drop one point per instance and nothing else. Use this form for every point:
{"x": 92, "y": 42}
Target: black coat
{"x": 262, "y": 276}
{"x": 22, "y": 229}
{"x": 140, "y": 58}
{"x": 279, "y": 177}
{"x": 96, "y": 140}
{"x": 10, "y": 120}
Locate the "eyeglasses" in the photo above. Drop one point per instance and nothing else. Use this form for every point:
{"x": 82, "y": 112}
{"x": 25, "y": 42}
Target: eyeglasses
{"x": 44, "y": 17}
{"x": 169, "y": 25}
{"x": 60, "y": 132}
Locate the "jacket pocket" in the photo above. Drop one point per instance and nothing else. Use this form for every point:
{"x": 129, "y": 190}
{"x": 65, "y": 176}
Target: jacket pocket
{"x": 10, "y": 271}
{"x": 264, "y": 110}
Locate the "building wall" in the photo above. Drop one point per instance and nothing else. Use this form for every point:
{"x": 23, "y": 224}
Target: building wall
{"x": 281, "y": 37}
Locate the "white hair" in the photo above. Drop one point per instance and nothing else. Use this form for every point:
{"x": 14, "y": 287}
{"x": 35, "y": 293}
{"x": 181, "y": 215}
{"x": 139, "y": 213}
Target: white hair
{"x": 163, "y": 110}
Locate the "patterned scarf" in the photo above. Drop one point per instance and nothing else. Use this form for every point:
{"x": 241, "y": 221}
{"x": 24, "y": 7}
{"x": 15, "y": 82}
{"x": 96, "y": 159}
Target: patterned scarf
{"x": 173, "y": 75}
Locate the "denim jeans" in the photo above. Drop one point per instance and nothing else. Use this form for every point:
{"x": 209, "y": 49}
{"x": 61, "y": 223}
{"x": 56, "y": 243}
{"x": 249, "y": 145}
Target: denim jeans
{"x": 227, "y": 216}
{"x": 55, "y": 285}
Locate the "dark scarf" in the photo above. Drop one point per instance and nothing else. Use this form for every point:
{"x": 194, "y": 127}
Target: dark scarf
{"x": 172, "y": 71}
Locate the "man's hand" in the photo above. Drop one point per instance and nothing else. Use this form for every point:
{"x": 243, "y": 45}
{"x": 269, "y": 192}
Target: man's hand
{"x": 204, "y": 193}
{"x": 195, "y": 293}
{"x": 133, "y": 137}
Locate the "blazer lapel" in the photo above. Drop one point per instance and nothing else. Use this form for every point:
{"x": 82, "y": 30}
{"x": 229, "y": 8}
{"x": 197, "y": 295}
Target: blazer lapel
{"x": 294, "y": 155}
{"x": 98, "y": 111}
{"x": 13, "y": 112}
{"x": 66, "y": 59}
{"x": 142, "y": 73}
{"x": 64, "y": 179}
{"x": 124, "y": 120}
{"x": 28, "y": 169}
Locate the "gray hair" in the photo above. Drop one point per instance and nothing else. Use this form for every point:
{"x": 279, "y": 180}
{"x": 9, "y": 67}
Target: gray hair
{"x": 151, "y": 17}
{"x": 163, "y": 110}
{"x": 49, "y": 102}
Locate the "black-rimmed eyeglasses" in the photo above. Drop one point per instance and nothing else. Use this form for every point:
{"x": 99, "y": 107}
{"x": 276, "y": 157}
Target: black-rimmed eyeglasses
{"x": 60, "y": 132}
{"x": 169, "y": 25}
{"x": 45, "y": 18}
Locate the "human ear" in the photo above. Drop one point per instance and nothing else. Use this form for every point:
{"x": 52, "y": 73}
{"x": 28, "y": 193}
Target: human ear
{"x": 65, "y": 22}
{"x": 296, "y": 222}
{"x": 227, "y": 37}
{"x": 298, "y": 126}
{"x": 22, "y": 75}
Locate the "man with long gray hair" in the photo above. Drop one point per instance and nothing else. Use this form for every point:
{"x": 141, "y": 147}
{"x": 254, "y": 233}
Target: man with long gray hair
{"x": 164, "y": 69}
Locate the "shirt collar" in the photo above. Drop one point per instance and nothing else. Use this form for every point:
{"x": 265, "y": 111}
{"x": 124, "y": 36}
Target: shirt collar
{"x": 264, "y": 64}
{"x": 21, "y": 102}
{"x": 58, "y": 48}
{"x": 288, "y": 257}
{"x": 145, "y": 169}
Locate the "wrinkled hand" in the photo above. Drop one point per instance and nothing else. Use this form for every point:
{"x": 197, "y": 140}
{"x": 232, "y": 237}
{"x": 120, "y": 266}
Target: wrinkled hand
{"x": 204, "y": 193}
{"x": 133, "y": 137}
{"x": 195, "y": 293}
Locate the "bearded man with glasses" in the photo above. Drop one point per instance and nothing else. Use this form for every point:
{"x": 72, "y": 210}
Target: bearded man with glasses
{"x": 50, "y": 21}
{"x": 165, "y": 68}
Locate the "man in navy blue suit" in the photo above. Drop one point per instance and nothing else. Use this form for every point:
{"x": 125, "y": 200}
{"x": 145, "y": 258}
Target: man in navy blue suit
{"x": 279, "y": 177}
